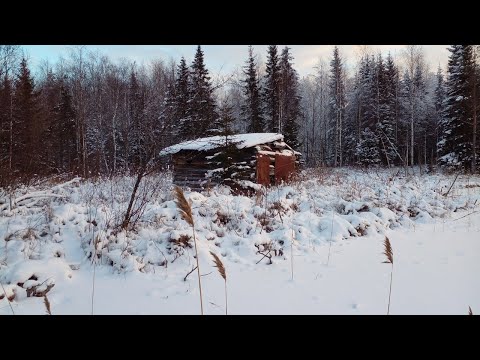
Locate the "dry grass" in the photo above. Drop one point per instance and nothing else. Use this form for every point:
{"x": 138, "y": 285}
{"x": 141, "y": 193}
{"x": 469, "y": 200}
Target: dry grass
{"x": 186, "y": 212}
{"x": 8, "y": 299}
{"x": 331, "y": 237}
{"x": 183, "y": 205}
{"x": 388, "y": 251}
{"x": 291, "y": 251}
{"x": 389, "y": 254}
{"x": 221, "y": 270}
{"x": 29, "y": 234}
{"x": 219, "y": 265}
{"x": 47, "y": 304}
{"x": 259, "y": 197}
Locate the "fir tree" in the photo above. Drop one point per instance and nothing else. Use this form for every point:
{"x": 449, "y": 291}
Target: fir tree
{"x": 26, "y": 134}
{"x": 439, "y": 103}
{"x": 224, "y": 129}
{"x": 389, "y": 112}
{"x": 6, "y": 120}
{"x": 252, "y": 109}
{"x": 455, "y": 142}
{"x": 367, "y": 149}
{"x": 180, "y": 98}
{"x": 271, "y": 91}
{"x": 48, "y": 100}
{"x": 226, "y": 120}
{"x": 337, "y": 108}
{"x": 201, "y": 110}
{"x": 63, "y": 131}
{"x": 134, "y": 141}
{"x": 289, "y": 100}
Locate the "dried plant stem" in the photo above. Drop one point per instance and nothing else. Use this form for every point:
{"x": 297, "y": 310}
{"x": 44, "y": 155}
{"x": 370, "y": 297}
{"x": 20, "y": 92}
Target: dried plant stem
{"x": 470, "y": 311}
{"x": 330, "y": 242}
{"x": 47, "y": 304}
{"x": 221, "y": 270}
{"x": 390, "y": 291}
{"x": 186, "y": 276}
{"x": 186, "y": 212}
{"x": 226, "y": 299}
{"x": 389, "y": 254}
{"x": 451, "y": 186}
{"x": 291, "y": 253}
{"x": 93, "y": 283}
{"x": 198, "y": 270}
{"x": 94, "y": 268}
{"x": 471, "y": 213}
{"x": 8, "y": 300}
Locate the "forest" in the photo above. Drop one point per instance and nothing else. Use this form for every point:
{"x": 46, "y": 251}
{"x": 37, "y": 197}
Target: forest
{"x": 87, "y": 115}
{"x": 381, "y": 218}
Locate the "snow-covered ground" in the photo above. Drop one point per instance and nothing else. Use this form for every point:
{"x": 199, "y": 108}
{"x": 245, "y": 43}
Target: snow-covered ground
{"x": 338, "y": 221}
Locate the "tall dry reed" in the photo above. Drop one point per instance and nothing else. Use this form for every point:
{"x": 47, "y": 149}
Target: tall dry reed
{"x": 389, "y": 254}
{"x": 221, "y": 270}
{"x": 186, "y": 212}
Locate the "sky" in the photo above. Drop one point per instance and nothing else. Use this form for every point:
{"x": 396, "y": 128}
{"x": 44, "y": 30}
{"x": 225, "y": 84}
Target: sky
{"x": 223, "y": 59}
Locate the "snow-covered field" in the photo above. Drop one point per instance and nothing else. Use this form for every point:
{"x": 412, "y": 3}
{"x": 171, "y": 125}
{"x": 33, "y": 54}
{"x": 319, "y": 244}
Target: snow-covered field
{"x": 337, "y": 220}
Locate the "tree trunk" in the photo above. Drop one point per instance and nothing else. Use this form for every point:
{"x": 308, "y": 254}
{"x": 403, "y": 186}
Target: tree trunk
{"x": 10, "y": 155}
{"x": 474, "y": 135}
{"x": 411, "y": 139}
{"x": 114, "y": 140}
{"x": 126, "y": 219}
{"x": 425, "y": 150}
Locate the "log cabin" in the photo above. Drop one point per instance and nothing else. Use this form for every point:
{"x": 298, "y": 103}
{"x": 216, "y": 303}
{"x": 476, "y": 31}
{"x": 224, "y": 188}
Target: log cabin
{"x": 240, "y": 161}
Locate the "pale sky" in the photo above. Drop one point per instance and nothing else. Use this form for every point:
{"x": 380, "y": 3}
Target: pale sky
{"x": 222, "y": 59}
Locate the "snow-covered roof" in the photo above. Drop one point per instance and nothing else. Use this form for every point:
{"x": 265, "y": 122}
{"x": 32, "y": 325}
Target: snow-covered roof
{"x": 241, "y": 141}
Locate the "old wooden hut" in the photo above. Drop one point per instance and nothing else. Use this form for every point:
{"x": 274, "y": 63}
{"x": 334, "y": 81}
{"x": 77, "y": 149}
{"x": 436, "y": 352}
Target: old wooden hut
{"x": 237, "y": 160}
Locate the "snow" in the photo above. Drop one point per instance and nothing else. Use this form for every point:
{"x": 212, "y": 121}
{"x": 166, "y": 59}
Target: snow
{"x": 241, "y": 141}
{"x": 337, "y": 221}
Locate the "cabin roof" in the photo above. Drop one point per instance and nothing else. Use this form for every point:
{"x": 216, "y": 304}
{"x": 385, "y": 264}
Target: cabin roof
{"x": 241, "y": 141}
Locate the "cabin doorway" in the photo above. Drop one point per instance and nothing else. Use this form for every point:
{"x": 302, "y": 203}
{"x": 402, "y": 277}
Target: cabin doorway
{"x": 280, "y": 171}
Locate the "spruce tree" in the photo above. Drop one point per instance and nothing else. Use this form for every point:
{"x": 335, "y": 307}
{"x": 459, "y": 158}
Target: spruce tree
{"x": 226, "y": 120}
{"x": 49, "y": 96}
{"x": 352, "y": 119}
{"x": 271, "y": 91}
{"x": 337, "y": 108}
{"x": 439, "y": 103}
{"x": 6, "y": 120}
{"x": 367, "y": 149}
{"x": 135, "y": 141}
{"x": 456, "y": 139}
{"x": 289, "y": 100}
{"x": 26, "y": 134}
{"x": 180, "y": 98}
{"x": 252, "y": 108}
{"x": 63, "y": 131}
{"x": 389, "y": 112}
{"x": 201, "y": 109}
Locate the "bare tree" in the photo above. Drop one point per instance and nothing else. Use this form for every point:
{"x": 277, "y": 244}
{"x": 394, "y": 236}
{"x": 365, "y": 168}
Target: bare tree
{"x": 474, "y": 79}
{"x": 413, "y": 57}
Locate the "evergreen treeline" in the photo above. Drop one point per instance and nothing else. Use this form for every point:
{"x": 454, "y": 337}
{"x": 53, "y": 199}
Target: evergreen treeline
{"x": 393, "y": 113}
{"x": 89, "y": 116}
